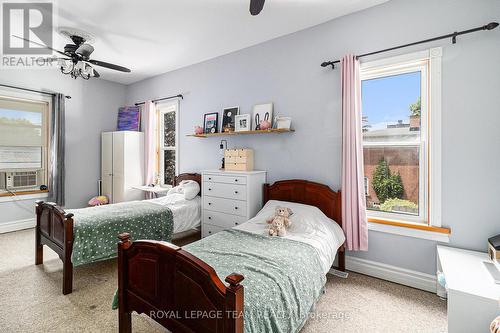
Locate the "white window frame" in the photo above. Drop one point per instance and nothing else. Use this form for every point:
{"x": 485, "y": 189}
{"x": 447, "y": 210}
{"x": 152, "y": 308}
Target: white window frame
{"x": 163, "y": 108}
{"x": 11, "y": 93}
{"x": 429, "y": 62}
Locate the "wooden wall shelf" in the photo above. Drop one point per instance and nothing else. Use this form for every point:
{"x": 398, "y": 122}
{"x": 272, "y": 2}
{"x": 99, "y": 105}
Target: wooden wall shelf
{"x": 274, "y": 130}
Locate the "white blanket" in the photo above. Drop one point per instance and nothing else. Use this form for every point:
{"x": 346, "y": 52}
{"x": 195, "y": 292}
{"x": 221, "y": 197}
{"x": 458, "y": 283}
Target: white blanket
{"x": 186, "y": 213}
{"x": 309, "y": 225}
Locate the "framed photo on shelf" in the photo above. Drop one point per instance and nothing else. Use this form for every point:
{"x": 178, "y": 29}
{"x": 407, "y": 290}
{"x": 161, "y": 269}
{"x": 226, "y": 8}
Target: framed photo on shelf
{"x": 242, "y": 122}
{"x": 262, "y": 112}
{"x": 228, "y": 117}
{"x": 281, "y": 122}
{"x": 210, "y": 122}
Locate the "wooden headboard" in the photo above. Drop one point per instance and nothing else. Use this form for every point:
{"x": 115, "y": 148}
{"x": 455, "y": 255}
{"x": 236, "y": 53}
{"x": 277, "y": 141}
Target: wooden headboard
{"x": 187, "y": 176}
{"x": 308, "y": 193}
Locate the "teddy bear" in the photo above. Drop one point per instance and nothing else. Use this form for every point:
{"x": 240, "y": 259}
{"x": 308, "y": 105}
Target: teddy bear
{"x": 279, "y": 222}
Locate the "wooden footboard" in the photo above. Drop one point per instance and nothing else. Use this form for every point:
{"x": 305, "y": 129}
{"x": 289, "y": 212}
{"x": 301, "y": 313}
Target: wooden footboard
{"x": 54, "y": 228}
{"x": 176, "y": 289}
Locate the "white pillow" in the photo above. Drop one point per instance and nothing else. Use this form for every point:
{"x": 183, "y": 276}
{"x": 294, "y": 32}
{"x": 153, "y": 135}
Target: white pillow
{"x": 189, "y": 188}
{"x": 306, "y": 219}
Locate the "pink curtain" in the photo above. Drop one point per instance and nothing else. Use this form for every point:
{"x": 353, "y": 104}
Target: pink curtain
{"x": 354, "y": 220}
{"x": 149, "y": 116}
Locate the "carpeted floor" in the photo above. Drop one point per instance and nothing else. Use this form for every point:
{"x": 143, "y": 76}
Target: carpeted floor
{"x": 31, "y": 299}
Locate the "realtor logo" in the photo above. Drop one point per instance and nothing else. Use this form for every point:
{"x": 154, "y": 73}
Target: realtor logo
{"x": 28, "y": 20}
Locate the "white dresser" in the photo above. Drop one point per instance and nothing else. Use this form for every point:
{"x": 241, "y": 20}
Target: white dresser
{"x": 229, "y": 198}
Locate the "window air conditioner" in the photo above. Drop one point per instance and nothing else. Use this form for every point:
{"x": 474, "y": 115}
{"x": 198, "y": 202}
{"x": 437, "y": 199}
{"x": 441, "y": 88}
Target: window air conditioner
{"x": 21, "y": 179}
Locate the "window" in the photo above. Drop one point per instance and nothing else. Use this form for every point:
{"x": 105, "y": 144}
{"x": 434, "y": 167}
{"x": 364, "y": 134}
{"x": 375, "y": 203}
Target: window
{"x": 399, "y": 108}
{"x": 168, "y": 142}
{"x": 24, "y": 128}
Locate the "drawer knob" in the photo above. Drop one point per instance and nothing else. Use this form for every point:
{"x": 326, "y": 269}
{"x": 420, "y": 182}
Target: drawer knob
{"x": 209, "y": 232}
{"x": 236, "y": 223}
{"x": 210, "y": 189}
{"x": 210, "y": 217}
{"x": 235, "y": 207}
{"x": 209, "y": 203}
{"x": 235, "y": 192}
{"x": 236, "y": 180}
{"x": 209, "y": 178}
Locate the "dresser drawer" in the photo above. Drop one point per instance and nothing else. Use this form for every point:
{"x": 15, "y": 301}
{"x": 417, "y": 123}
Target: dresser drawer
{"x": 222, "y": 220}
{"x": 236, "y": 159}
{"x": 245, "y": 152}
{"x": 209, "y": 229}
{"x": 229, "y": 191}
{"x": 238, "y": 167}
{"x": 227, "y": 179}
{"x": 228, "y": 206}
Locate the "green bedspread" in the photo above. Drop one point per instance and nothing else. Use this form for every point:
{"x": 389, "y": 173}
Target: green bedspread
{"x": 96, "y": 229}
{"x": 283, "y": 278}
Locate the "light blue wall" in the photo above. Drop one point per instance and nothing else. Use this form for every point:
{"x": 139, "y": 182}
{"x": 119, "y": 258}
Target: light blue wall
{"x": 91, "y": 110}
{"x": 286, "y": 71}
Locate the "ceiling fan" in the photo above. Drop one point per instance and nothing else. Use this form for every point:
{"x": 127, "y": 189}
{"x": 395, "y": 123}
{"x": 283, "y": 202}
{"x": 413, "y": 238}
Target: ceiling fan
{"x": 76, "y": 60}
{"x": 256, "y": 6}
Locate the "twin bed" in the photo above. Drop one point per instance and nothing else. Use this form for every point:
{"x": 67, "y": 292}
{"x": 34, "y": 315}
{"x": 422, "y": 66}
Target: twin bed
{"x": 271, "y": 283}
{"x": 87, "y": 235}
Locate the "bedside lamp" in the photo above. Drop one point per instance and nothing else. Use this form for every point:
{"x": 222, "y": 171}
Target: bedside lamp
{"x": 222, "y": 148}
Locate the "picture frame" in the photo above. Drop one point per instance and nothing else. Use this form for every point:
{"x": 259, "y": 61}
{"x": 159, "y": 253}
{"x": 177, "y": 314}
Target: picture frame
{"x": 262, "y": 112}
{"x": 129, "y": 118}
{"x": 243, "y": 122}
{"x": 211, "y": 123}
{"x": 281, "y": 122}
{"x": 228, "y": 118}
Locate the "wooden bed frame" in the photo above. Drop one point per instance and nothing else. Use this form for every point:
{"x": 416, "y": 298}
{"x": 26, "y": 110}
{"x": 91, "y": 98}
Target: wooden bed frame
{"x": 182, "y": 292}
{"x": 54, "y": 228}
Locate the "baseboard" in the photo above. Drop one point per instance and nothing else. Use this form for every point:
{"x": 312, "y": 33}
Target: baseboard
{"x": 17, "y": 225}
{"x": 391, "y": 273}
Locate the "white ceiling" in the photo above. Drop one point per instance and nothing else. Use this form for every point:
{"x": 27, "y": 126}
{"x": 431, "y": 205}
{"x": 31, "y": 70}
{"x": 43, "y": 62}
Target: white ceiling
{"x": 156, "y": 36}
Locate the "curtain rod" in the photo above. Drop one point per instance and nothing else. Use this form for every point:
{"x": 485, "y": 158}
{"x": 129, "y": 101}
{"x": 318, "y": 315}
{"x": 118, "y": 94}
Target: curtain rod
{"x": 161, "y": 99}
{"x": 32, "y": 90}
{"x": 453, "y": 36}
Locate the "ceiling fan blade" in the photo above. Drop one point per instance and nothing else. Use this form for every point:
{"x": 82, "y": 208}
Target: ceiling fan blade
{"x": 108, "y": 65}
{"x": 56, "y": 59}
{"x": 256, "y": 6}
{"x": 42, "y": 45}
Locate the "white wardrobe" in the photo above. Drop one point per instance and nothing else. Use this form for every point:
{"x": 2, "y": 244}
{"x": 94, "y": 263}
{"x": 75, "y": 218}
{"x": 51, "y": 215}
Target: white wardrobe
{"x": 122, "y": 166}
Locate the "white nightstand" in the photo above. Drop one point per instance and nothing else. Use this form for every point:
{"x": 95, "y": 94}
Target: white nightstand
{"x": 472, "y": 294}
{"x": 229, "y": 198}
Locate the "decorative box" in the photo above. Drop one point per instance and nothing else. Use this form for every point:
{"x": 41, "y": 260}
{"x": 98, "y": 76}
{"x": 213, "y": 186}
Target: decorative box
{"x": 494, "y": 247}
{"x": 240, "y": 159}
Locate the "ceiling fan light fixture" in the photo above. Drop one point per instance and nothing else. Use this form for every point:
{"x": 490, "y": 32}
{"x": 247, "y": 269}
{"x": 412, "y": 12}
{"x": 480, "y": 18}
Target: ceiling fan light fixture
{"x": 66, "y": 66}
{"x": 76, "y": 69}
{"x": 88, "y": 70}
